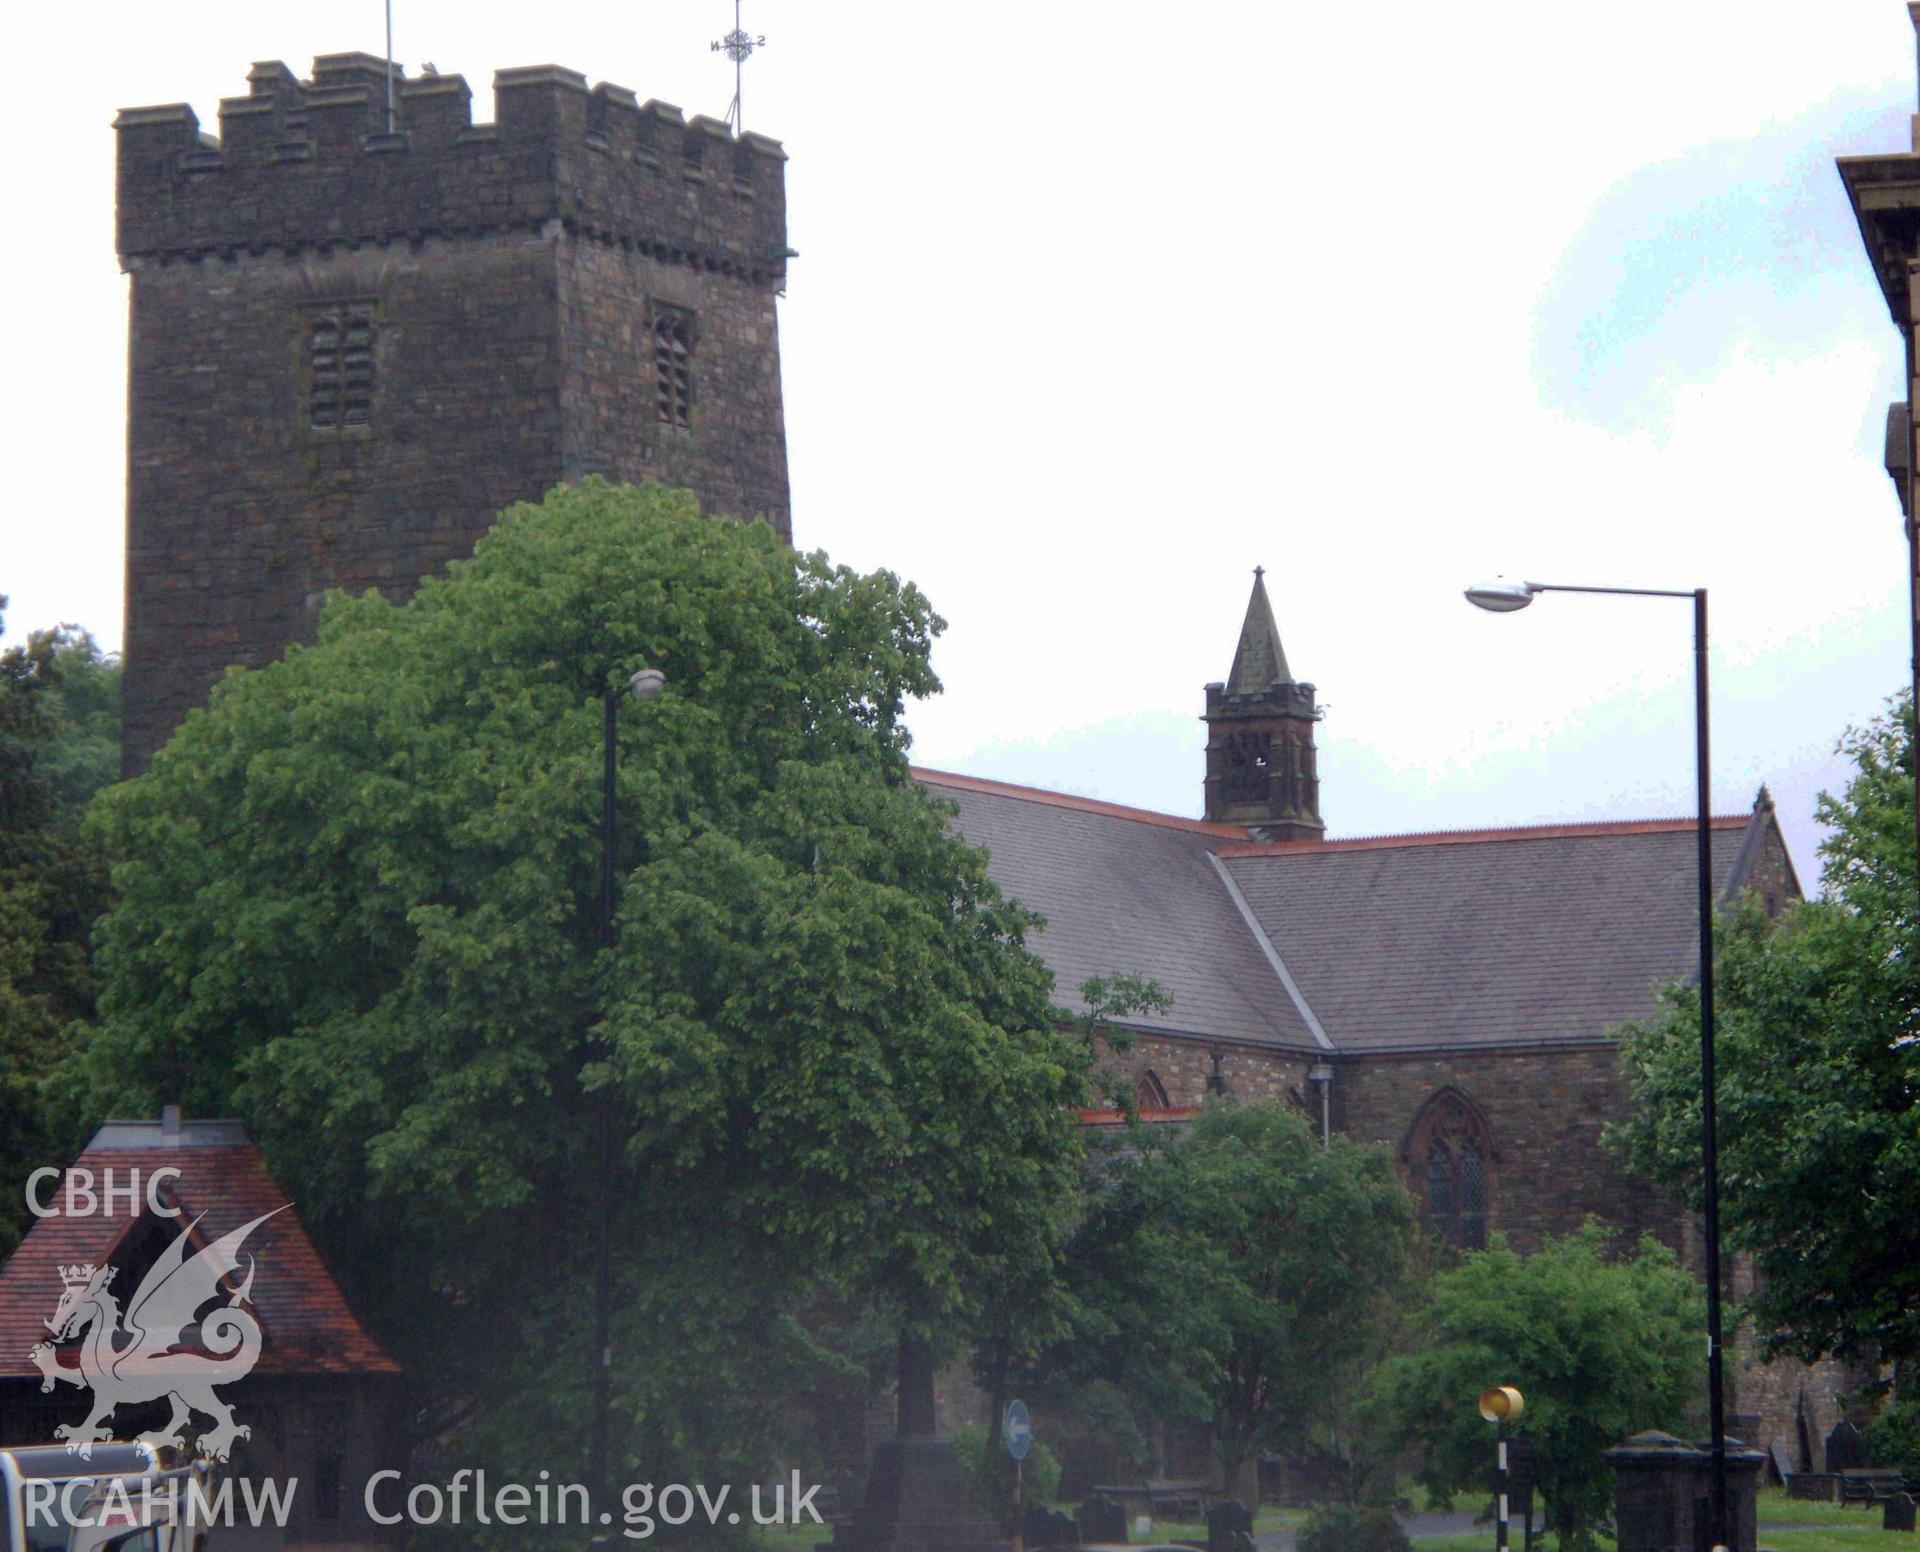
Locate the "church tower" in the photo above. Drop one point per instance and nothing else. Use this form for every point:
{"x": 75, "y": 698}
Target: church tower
{"x": 1261, "y": 769}
{"x": 362, "y": 324}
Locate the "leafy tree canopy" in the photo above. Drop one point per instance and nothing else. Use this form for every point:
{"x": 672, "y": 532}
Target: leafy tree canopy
{"x": 1816, "y": 1018}
{"x": 1600, "y": 1347}
{"x": 1225, "y": 1275}
{"x": 359, "y": 906}
{"x": 59, "y": 744}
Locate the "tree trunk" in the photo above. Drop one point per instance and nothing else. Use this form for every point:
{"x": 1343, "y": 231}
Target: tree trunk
{"x": 1241, "y": 1478}
{"x": 916, "y": 1416}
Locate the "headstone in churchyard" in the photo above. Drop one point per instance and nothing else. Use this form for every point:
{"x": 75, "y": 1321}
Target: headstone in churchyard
{"x": 1782, "y": 1465}
{"x": 1101, "y": 1519}
{"x": 1846, "y": 1450}
{"x": 1897, "y": 1513}
{"x": 1228, "y": 1520}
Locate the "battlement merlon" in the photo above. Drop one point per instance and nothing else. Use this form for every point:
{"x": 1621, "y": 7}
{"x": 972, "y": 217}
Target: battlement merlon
{"x": 306, "y": 164}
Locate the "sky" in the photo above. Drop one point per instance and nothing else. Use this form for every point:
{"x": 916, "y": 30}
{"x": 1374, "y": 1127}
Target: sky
{"x": 1099, "y": 307}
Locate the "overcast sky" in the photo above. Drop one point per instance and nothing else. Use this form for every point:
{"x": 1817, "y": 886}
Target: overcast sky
{"x": 1097, "y": 307}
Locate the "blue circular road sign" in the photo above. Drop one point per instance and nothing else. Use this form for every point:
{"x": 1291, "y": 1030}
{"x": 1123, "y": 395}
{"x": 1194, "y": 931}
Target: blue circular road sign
{"x": 1017, "y": 1430}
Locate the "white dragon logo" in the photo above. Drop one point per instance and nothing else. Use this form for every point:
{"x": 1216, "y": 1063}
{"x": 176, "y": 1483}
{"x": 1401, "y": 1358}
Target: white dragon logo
{"x": 147, "y": 1367}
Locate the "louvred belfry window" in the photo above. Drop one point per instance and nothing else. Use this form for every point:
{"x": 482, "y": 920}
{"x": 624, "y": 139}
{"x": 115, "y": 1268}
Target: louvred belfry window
{"x": 340, "y": 364}
{"x": 673, "y": 336}
{"x": 1248, "y": 755}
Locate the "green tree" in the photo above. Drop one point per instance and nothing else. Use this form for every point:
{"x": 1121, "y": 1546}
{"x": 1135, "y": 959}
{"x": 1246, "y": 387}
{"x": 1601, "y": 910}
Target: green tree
{"x": 1601, "y": 1347}
{"x": 58, "y": 745}
{"x": 1226, "y": 1273}
{"x": 1819, "y": 1080}
{"x": 359, "y": 907}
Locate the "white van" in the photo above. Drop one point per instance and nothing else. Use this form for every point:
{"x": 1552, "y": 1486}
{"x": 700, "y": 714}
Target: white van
{"x": 39, "y": 1518}
{"x": 156, "y": 1513}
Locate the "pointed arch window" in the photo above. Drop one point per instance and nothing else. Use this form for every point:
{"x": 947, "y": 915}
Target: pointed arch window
{"x": 1148, "y": 1092}
{"x": 1447, "y": 1156}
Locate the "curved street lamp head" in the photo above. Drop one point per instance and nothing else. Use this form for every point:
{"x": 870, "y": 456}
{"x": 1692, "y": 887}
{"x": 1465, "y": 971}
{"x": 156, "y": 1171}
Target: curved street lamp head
{"x": 647, "y": 684}
{"x": 1501, "y": 597}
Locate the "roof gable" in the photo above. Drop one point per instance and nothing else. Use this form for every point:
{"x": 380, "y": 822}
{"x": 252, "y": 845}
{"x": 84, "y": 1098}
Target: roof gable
{"x": 1135, "y": 893}
{"x": 305, "y": 1321}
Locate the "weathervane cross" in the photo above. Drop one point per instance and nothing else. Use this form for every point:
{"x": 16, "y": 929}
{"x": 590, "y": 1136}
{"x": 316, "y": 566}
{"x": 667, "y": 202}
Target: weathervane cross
{"x": 737, "y": 45}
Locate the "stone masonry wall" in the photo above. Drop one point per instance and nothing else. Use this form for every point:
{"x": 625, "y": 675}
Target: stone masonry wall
{"x": 1185, "y": 1067}
{"x": 734, "y": 453}
{"x": 503, "y": 272}
{"x": 1545, "y": 1110}
{"x": 240, "y": 514}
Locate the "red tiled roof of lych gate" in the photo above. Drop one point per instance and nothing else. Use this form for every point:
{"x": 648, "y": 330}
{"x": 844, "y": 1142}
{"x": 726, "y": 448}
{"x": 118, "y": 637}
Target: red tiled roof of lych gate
{"x": 306, "y": 1325}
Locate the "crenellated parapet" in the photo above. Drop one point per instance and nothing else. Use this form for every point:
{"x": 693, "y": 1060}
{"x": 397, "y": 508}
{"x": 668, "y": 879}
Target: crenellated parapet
{"x": 313, "y": 164}
{"x": 1279, "y": 699}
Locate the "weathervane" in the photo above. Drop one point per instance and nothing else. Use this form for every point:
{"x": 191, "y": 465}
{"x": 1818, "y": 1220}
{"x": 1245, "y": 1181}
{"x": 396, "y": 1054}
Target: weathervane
{"x": 737, "y": 45}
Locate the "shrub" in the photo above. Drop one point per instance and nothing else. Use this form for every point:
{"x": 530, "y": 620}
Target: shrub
{"x": 990, "y": 1473}
{"x": 1343, "y": 1528}
{"x": 1893, "y": 1438}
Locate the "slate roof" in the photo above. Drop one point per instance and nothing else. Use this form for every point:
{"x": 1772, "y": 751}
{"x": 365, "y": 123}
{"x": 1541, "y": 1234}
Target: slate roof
{"x": 1500, "y": 939}
{"x": 306, "y": 1326}
{"x": 1444, "y": 941}
{"x": 1127, "y": 890}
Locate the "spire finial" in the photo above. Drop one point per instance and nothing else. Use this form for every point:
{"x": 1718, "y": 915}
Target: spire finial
{"x": 1259, "y": 572}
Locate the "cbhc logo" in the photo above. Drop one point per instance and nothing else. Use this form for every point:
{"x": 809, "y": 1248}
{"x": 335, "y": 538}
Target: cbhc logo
{"x": 82, "y": 1201}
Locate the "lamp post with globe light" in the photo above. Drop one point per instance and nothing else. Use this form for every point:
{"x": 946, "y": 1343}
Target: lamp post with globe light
{"x": 643, "y": 686}
{"x": 1505, "y": 598}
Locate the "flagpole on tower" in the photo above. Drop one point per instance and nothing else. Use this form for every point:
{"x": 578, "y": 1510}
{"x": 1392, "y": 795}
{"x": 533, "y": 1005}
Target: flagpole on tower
{"x": 389, "y": 67}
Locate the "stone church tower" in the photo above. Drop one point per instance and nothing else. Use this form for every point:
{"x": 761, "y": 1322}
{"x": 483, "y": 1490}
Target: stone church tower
{"x": 1261, "y": 769}
{"x": 361, "y": 326}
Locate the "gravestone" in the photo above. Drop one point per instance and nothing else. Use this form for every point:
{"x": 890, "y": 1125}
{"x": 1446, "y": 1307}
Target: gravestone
{"x": 1782, "y": 1466}
{"x": 1044, "y": 1527}
{"x": 1101, "y": 1519}
{"x": 1229, "y": 1527}
{"x": 1897, "y": 1513}
{"x": 1846, "y": 1450}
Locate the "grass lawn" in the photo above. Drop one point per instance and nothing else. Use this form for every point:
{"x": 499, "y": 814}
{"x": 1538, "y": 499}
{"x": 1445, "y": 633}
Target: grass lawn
{"x": 1819, "y": 1527}
{"x": 1776, "y": 1508}
{"x": 1266, "y": 1517}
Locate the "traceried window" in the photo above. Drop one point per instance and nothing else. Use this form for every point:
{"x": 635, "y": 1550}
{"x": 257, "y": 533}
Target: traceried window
{"x": 1440, "y": 1186}
{"x": 340, "y": 363}
{"x": 1447, "y": 1154}
{"x": 1149, "y": 1093}
{"x": 673, "y": 336}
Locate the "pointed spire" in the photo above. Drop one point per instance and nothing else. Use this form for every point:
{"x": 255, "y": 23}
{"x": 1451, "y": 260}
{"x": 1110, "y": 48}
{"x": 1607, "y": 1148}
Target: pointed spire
{"x": 1259, "y": 660}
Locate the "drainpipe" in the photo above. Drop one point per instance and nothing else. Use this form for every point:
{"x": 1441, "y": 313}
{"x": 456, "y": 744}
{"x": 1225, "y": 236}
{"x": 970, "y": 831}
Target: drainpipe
{"x": 1321, "y": 1073}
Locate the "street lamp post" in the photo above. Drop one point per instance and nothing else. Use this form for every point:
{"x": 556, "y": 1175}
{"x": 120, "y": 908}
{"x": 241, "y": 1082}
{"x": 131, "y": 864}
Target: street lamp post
{"x": 1504, "y": 598}
{"x": 643, "y": 686}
